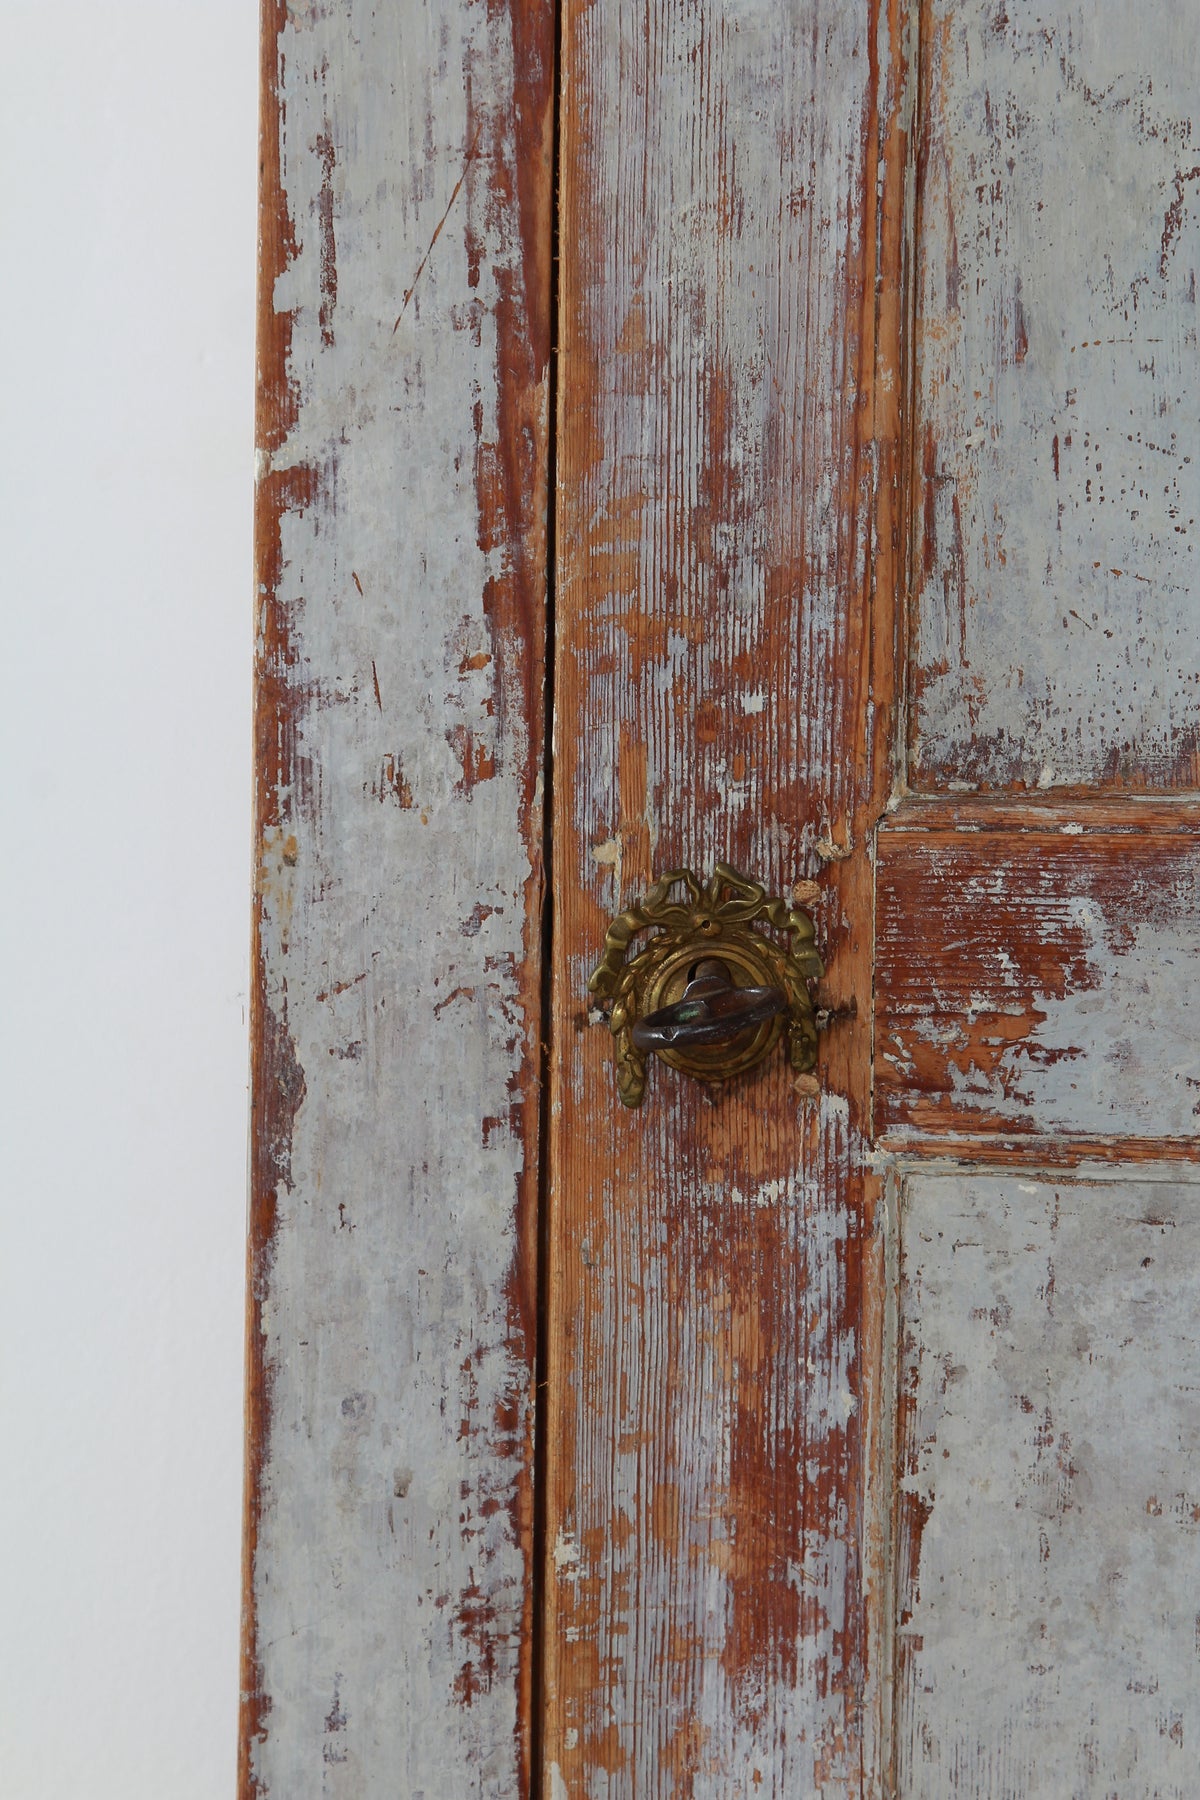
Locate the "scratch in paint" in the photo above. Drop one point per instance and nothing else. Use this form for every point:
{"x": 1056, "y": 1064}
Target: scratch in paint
{"x": 409, "y": 291}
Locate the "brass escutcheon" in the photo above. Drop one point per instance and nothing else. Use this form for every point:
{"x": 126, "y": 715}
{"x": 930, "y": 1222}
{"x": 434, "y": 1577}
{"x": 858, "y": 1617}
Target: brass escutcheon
{"x": 709, "y": 993}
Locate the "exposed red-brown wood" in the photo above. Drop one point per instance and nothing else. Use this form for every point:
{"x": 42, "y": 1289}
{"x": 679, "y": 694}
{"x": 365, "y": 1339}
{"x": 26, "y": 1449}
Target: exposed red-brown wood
{"x": 1037, "y": 937}
{"x": 1036, "y": 981}
{"x": 799, "y": 407}
{"x": 511, "y": 173}
{"x": 728, "y": 564}
{"x": 1035, "y": 1150}
{"x": 404, "y": 329}
{"x": 276, "y": 1082}
{"x": 1071, "y": 812}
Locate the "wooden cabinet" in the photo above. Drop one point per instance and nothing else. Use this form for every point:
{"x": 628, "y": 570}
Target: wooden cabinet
{"x": 797, "y": 408}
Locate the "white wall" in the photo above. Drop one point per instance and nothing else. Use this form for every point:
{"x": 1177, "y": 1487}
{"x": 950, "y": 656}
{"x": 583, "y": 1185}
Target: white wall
{"x": 127, "y": 132}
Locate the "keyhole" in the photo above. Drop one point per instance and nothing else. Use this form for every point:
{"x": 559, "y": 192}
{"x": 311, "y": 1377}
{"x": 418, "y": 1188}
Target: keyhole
{"x": 711, "y": 968}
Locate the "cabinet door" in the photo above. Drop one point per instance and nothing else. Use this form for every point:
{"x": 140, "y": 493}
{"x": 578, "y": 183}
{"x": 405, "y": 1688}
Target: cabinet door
{"x": 1037, "y": 1080}
{"x": 806, "y": 1436}
{"x": 403, "y": 353}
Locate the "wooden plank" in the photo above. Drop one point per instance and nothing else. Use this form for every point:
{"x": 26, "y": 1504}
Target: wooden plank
{"x": 401, "y": 561}
{"x": 1039, "y": 981}
{"x": 1042, "y": 1150}
{"x": 727, "y": 465}
{"x": 1057, "y": 485}
{"x": 1086, "y": 814}
{"x": 1049, "y": 1551}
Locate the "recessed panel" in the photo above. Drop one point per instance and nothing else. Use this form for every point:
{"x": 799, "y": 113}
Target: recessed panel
{"x": 1041, "y": 978}
{"x": 1048, "y": 1568}
{"x": 1057, "y": 632}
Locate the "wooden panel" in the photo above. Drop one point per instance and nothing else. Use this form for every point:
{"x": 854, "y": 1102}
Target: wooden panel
{"x": 1058, "y": 485}
{"x": 1048, "y": 1630}
{"x": 721, "y": 437}
{"x": 1039, "y": 980}
{"x": 403, "y": 352}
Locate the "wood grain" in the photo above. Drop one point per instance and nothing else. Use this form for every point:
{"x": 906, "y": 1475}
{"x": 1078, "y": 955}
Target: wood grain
{"x": 403, "y": 346}
{"x": 1037, "y": 909}
{"x": 726, "y": 658}
{"x": 1040, "y": 982}
{"x": 1057, "y": 489}
{"x": 744, "y": 490}
{"x": 1050, "y": 1540}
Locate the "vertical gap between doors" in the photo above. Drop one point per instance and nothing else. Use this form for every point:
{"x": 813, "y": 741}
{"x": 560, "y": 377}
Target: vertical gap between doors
{"x": 537, "y": 1699}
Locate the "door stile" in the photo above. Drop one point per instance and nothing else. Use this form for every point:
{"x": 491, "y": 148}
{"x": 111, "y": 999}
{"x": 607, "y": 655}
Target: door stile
{"x": 404, "y": 330}
{"x": 729, "y": 546}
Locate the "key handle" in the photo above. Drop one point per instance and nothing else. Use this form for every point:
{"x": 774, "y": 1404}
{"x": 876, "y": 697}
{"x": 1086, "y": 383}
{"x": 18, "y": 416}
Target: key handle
{"x": 712, "y": 992}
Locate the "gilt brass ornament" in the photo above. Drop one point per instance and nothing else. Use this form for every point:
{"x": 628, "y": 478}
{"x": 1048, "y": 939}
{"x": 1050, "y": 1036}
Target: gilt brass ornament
{"x": 711, "y": 993}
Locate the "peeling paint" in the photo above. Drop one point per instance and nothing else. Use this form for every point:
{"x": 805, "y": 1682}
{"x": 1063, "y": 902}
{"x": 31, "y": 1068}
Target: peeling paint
{"x": 724, "y": 1597}
{"x": 1057, "y": 993}
{"x": 1057, "y": 635}
{"x": 1050, "y": 1442}
{"x": 401, "y": 557}
{"x": 723, "y": 692}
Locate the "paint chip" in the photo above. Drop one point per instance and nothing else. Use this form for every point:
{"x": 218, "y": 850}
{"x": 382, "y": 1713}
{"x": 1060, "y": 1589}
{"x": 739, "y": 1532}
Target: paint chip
{"x": 566, "y": 1552}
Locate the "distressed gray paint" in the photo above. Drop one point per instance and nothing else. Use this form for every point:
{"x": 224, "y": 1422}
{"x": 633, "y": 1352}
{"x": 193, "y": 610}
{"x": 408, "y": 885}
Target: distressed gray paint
{"x": 1122, "y": 1057}
{"x": 715, "y": 521}
{"x": 1058, "y": 637}
{"x": 1049, "y": 1639}
{"x": 390, "y": 1586}
{"x": 657, "y": 1525}
{"x": 393, "y": 934}
{"x": 1058, "y": 991}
